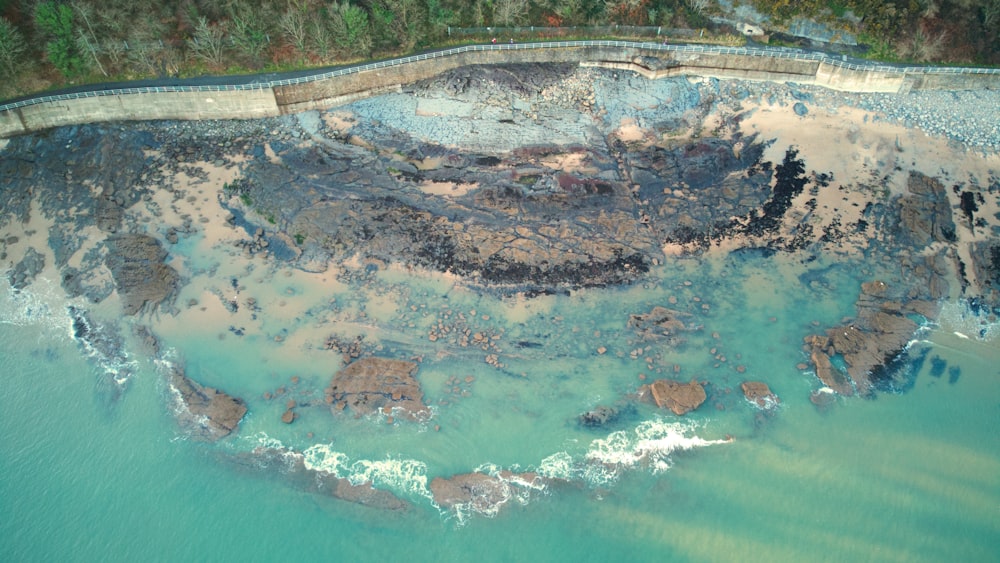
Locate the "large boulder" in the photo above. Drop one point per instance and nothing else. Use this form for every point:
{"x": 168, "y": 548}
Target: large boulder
{"x": 372, "y": 384}
{"x": 679, "y": 397}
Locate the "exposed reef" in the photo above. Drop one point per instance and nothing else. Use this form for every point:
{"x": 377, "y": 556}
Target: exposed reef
{"x": 524, "y": 188}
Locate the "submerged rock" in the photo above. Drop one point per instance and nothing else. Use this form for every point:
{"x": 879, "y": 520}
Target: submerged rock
{"x": 373, "y": 384}
{"x": 480, "y": 492}
{"x": 207, "y": 413}
{"x": 289, "y": 465}
{"x": 760, "y": 394}
{"x": 662, "y": 322}
{"x": 599, "y": 416}
{"x": 679, "y": 397}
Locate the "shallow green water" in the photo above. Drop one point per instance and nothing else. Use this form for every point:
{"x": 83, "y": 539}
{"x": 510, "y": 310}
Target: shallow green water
{"x": 904, "y": 477}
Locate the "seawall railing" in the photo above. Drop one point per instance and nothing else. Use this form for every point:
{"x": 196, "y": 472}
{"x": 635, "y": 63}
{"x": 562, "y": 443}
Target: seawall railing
{"x": 779, "y": 53}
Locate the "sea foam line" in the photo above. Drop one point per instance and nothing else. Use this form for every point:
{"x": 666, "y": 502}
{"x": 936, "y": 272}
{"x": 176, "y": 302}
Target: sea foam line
{"x": 650, "y": 444}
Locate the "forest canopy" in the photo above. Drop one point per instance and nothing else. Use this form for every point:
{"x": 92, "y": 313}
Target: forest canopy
{"x": 49, "y": 43}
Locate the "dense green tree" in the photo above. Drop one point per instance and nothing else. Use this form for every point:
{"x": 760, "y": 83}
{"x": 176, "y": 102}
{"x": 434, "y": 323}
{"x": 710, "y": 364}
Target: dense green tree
{"x": 398, "y": 23}
{"x": 57, "y": 24}
{"x": 439, "y": 17}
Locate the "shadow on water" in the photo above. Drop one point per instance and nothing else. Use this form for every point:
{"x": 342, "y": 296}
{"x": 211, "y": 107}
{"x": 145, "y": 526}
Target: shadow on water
{"x": 899, "y": 374}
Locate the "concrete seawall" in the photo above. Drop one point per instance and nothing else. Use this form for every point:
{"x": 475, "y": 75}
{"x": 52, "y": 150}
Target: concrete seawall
{"x": 651, "y": 60}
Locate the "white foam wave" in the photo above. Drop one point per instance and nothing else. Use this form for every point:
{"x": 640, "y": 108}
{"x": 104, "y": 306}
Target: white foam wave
{"x": 559, "y": 465}
{"x": 649, "y": 445}
{"x": 321, "y": 457}
{"x": 961, "y": 320}
{"x": 489, "y": 498}
{"x": 261, "y": 440}
{"x": 404, "y": 476}
{"x": 40, "y": 304}
{"x": 118, "y": 366}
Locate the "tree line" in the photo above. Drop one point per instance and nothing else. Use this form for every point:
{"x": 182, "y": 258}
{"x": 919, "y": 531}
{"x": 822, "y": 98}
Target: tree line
{"x": 51, "y": 42}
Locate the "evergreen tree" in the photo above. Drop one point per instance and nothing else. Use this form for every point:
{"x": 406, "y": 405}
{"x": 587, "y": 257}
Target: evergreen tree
{"x": 56, "y": 22}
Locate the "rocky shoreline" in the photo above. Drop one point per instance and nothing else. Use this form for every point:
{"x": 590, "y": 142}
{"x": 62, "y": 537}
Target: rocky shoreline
{"x": 515, "y": 181}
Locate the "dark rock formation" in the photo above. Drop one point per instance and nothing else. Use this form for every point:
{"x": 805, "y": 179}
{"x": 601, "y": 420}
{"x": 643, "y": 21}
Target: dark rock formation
{"x": 141, "y": 277}
{"x": 599, "y": 416}
{"x": 925, "y": 214}
{"x": 372, "y": 384}
{"x": 679, "y": 397}
{"x": 760, "y": 394}
{"x": 206, "y": 413}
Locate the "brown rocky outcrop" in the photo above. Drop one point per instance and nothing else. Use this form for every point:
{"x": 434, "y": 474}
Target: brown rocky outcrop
{"x": 484, "y": 493}
{"x": 880, "y": 332}
{"x": 760, "y": 394}
{"x": 372, "y": 384}
{"x": 141, "y": 277}
{"x": 679, "y": 397}
{"x": 207, "y": 413}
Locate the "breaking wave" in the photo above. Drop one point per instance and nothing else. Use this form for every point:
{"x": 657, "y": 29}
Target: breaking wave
{"x": 407, "y": 477}
{"x": 648, "y": 445}
{"x": 41, "y": 304}
{"x": 969, "y": 319}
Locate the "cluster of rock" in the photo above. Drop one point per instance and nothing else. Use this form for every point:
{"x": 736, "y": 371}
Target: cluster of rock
{"x": 663, "y": 323}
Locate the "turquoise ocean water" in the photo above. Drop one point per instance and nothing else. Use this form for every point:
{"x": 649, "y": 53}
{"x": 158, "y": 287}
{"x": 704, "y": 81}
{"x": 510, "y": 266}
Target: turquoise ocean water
{"x": 88, "y": 475}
